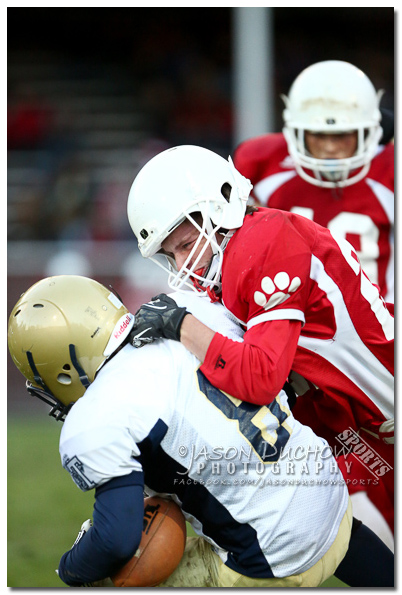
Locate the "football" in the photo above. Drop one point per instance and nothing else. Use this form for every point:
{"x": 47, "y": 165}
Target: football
{"x": 161, "y": 548}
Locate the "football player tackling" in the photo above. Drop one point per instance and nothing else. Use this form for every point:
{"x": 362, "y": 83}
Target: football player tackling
{"x": 309, "y": 310}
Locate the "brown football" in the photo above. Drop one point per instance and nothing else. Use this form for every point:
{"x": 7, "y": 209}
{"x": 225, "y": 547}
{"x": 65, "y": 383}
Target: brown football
{"x": 161, "y": 548}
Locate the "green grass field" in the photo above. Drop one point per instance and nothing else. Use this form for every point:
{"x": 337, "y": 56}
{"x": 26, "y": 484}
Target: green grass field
{"x": 45, "y": 508}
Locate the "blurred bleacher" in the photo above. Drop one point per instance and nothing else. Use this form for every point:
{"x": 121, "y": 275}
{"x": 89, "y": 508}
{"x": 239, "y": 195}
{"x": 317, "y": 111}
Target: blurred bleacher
{"x": 77, "y": 137}
{"x": 95, "y": 93}
{"x": 70, "y": 128}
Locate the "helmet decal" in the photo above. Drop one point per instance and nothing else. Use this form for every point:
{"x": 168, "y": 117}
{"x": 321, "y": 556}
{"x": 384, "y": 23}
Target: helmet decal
{"x": 276, "y": 291}
{"x": 120, "y": 332}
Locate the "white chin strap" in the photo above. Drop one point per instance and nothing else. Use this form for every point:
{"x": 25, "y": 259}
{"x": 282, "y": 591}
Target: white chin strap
{"x": 213, "y": 272}
{"x": 332, "y": 179}
{"x": 333, "y": 173}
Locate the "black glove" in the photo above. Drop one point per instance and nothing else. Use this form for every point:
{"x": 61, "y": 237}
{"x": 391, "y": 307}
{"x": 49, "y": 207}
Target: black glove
{"x": 161, "y": 317}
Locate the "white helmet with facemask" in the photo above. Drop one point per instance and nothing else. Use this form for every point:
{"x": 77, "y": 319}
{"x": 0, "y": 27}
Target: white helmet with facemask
{"x": 332, "y": 97}
{"x": 179, "y": 184}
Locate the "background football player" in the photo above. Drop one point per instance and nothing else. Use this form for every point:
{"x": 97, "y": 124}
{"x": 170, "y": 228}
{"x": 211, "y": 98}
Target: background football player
{"x": 334, "y": 163}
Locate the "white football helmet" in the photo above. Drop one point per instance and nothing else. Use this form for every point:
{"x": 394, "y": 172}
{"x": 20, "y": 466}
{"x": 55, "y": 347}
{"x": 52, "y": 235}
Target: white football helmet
{"x": 61, "y": 332}
{"x": 172, "y": 187}
{"x": 332, "y": 97}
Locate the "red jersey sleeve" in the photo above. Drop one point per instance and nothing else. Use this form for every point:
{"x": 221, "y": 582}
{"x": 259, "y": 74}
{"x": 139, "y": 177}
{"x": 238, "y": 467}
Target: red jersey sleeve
{"x": 255, "y": 370}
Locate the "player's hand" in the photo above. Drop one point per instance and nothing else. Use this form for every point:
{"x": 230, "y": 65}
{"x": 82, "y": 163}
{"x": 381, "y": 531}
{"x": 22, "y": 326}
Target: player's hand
{"x": 86, "y": 525}
{"x": 106, "y": 582}
{"x": 159, "y": 318}
{"x": 386, "y": 431}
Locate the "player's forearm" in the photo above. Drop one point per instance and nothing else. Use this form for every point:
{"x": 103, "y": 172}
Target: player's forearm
{"x": 255, "y": 370}
{"x": 110, "y": 543}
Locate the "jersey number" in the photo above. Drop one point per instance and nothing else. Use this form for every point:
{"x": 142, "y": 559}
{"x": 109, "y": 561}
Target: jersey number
{"x": 266, "y": 443}
{"x": 369, "y": 233}
{"x": 354, "y": 223}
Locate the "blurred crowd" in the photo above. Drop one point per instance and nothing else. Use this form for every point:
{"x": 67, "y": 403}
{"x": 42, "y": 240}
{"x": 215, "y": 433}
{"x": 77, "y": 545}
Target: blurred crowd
{"x": 79, "y": 128}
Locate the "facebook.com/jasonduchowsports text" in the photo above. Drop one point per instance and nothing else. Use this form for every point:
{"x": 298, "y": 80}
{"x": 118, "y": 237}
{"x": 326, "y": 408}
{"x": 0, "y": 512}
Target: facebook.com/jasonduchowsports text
{"x": 298, "y": 466}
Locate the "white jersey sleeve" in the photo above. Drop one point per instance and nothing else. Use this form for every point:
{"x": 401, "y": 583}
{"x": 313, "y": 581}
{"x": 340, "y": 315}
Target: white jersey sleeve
{"x": 214, "y": 315}
{"x": 95, "y": 445}
{"x": 101, "y": 434}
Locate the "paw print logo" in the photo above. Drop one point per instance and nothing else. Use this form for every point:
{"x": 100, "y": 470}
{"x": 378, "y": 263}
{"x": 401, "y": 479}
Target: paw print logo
{"x": 276, "y": 291}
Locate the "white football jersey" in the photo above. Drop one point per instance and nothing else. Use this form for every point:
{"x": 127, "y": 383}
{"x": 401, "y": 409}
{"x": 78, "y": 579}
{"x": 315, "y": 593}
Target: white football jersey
{"x": 256, "y": 484}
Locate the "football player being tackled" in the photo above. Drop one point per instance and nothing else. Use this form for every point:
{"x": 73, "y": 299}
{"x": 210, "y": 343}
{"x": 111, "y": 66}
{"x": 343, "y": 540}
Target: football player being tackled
{"x": 261, "y": 490}
{"x": 310, "y": 312}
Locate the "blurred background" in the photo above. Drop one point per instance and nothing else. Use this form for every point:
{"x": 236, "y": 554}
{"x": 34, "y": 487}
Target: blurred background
{"x": 94, "y": 93}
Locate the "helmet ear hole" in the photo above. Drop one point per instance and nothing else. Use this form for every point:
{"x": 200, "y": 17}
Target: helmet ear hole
{"x": 66, "y": 367}
{"x": 226, "y": 190}
{"x": 64, "y": 379}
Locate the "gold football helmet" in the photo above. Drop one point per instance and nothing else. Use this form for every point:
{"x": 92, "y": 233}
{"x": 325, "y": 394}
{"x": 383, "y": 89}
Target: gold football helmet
{"x": 60, "y": 333}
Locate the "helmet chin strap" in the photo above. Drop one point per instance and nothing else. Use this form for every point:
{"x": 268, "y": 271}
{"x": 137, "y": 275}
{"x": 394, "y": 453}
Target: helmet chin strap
{"x": 81, "y": 372}
{"x": 213, "y": 291}
{"x": 37, "y": 377}
{"x": 58, "y": 409}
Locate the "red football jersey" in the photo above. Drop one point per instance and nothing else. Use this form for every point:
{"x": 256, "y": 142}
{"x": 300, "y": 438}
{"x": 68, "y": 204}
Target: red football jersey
{"x": 308, "y": 306}
{"x": 362, "y": 213}
{"x": 380, "y": 490}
